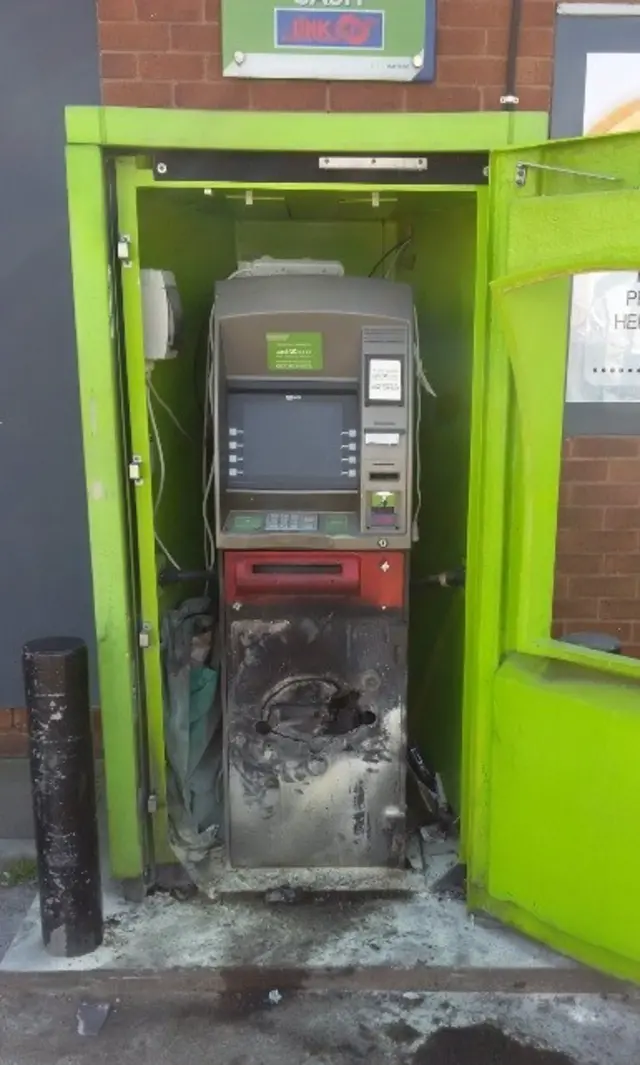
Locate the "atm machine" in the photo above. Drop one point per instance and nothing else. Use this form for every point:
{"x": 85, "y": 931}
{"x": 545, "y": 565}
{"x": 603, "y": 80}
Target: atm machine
{"x": 313, "y": 388}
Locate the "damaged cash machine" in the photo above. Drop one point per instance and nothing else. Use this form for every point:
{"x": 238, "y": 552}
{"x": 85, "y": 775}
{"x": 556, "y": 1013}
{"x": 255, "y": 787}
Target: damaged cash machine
{"x": 312, "y": 391}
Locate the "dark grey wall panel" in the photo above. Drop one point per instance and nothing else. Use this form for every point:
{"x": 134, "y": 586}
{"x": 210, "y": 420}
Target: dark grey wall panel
{"x": 48, "y": 58}
{"x": 577, "y": 36}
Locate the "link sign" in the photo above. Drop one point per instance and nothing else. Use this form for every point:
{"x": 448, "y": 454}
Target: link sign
{"x": 336, "y": 40}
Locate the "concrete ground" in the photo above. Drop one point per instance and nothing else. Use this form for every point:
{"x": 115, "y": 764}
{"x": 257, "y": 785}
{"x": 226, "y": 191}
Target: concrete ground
{"x": 321, "y": 1029}
{"x": 16, "y": 843}
{"x": 399, "y": 981}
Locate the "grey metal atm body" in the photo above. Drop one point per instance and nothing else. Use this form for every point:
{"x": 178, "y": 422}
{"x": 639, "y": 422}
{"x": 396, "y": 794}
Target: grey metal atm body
{"x": 313, "y": 381}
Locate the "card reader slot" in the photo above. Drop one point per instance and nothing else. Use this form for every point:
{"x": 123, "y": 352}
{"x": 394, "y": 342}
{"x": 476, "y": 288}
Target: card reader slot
{"x": 383, "y": 475}
{"x": 293, "y": 567}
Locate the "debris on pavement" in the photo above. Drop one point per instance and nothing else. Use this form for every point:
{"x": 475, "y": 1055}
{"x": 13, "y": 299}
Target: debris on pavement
{"x": 92, "y": 1016}
{"x": 275, "y": 997}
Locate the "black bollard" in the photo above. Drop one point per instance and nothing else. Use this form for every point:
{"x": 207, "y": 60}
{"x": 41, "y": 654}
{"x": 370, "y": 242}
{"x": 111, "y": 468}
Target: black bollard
{"x": 56, "y": 680}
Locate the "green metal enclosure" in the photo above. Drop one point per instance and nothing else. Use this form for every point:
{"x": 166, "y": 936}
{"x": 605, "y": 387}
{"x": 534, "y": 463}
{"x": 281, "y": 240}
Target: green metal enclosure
{"x": 536, "y": 739}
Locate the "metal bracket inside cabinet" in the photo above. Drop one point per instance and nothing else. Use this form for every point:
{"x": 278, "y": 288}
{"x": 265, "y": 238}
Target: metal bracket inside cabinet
{"x": 257, "y": 168}
{"x": 522, "y": 170}
{"x": 370, "y": 162}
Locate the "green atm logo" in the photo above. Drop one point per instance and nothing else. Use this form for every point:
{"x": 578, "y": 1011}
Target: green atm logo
{"x": 294, "y": 351}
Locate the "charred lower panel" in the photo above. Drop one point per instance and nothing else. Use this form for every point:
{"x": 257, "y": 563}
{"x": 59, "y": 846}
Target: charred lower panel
{"x": 316, "y": 737}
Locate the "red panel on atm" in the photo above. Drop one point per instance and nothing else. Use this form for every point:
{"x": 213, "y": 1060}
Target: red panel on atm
{"x": 374, "y": 578}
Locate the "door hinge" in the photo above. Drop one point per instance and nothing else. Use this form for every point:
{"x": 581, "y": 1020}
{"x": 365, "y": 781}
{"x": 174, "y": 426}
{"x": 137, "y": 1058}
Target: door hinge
{"x": 124, "y": 249}
{"x": 522, "y": 170}
{"x": 135, "y": 470}
{"x": 144, "y": 635}
{"x": 152, "y": 803}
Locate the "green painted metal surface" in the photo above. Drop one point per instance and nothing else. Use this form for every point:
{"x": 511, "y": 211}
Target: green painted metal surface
{"x": 545, "y": 732}
{"x": 151, "y": 128}
{"x": 106, "y": 494}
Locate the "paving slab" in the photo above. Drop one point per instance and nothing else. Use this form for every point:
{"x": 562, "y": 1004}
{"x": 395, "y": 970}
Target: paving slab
{"x": 324, "y": 1029}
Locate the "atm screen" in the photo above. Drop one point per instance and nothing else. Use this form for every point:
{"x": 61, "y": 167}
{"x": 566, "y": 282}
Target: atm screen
{"x": 283, "y": 442}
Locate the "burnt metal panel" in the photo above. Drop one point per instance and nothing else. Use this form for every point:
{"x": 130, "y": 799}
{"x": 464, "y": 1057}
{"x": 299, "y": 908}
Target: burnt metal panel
{"x": 316, "y": 736}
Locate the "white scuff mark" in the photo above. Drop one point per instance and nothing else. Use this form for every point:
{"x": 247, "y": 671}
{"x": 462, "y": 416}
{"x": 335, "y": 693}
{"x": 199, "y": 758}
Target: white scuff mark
{"x": 97, "y": 490}
{"x": 275, "y": 997}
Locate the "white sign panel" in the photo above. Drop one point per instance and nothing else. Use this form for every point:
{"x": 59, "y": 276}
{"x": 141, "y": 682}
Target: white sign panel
{"x": 604, "y": 341}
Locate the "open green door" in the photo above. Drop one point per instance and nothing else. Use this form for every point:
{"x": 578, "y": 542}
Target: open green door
{"x": 553, "y": 731}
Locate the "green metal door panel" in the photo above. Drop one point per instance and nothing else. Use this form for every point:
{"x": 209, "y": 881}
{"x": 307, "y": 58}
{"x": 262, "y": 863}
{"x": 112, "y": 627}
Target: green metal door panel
{"x": 555, "y": 729}
{"x": 565, "y": 808}
{"x": 566, "y": 207}
{"x": 106, "y": 493}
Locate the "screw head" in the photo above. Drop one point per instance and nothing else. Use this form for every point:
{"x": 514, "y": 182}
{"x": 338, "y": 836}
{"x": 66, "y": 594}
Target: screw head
{"x": 383, "y": 543}
{"x": 418, "y": 61}
{"x": 239, "y": 58}
{"x": 161, "y": 168}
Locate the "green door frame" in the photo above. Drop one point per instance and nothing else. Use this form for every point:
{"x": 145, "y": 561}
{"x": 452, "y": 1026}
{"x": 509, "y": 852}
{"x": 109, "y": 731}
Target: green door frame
{"x": 127, "y": 133}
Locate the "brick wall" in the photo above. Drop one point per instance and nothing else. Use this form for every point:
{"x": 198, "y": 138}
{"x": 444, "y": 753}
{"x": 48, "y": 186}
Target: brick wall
{"x": 598, "y": 559}
{"x": 166, "y": 53}
{"x": 13, "y": 733}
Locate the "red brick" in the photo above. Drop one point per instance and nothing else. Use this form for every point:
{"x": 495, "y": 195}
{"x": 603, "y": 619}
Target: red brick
{"x": 532, "y": 71}
{"x": 581, "y": 518}
{"x": 538, "y": 13}
{"x": 171, "y": 10}
{"x": 605, "y": 495}
{"x": 6, "y": 720}
{"x": 631, "y": 651}
{"x": 119, "y": 65}
{"x": 117, "y": 10}
{"x": 600, "y": 447}
{"x": 19, "y": 720}
{"x": 622, "y": 563}
{"x": 197, "y": 38}
{"x": 425, "y": 97}
{"x": 133, "y": 37}
{"x": 594, "y": 542}
{"x": 620, "y": 609}
{"x": 231, "y": 95}
{"x": 534, "y": 97}
{"x": 171, "y": 66}
{"x": 374, "y": 96}
{"x": 536, "y": 41}
{"x": 577, "y": 609}
{"x": 585, "y": 470}
{"x": 586, "y": 587}
{"x": 473, "y": 70}
{"x": 300, "y": 96}
{"x": 462, "y": 40}
{"x": 624, "y": 471}
{"x": 482, "y": 13}
{"x": 137, "y": 93}
{"x": 579, "y": 564}
{"x": 622, "y": 518}
{"x": 212, "y": 10}
{"x": 621, "y": 629}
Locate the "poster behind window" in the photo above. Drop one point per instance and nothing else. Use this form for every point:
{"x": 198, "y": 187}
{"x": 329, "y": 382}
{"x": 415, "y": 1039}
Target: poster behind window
{"x": 604, "y": 339}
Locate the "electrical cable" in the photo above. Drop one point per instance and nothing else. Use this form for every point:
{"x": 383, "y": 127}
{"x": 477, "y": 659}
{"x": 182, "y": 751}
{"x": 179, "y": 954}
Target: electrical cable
{"x": 208, "y": 473}
{"x": 399, "y": 248}
{"x": 165, "y": 406}
{"x": 161, "y": 486}
{"x": 423, "y": 386}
